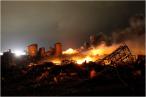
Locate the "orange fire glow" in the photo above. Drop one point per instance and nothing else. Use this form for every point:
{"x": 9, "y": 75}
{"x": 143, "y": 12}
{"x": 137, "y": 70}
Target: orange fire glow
{"x": 92, "y": 54}
{"x": 56, "y": 61}
{"x": 81, "y": 60}
{"x": 70, "y": 51}
{"x": 101, "y": 50}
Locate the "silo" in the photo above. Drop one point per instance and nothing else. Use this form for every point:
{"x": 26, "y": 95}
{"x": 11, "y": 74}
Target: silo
{"x": 42, "y": 52}
{"x": 58, "y": 49}
{"x": 32, "y": 50}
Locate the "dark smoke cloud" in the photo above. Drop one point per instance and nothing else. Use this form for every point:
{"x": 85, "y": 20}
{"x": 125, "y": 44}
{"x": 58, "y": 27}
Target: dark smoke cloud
{"x": 133, "y": 35}
{"x": 70, "y": 23}
{"x": 135, "y": 29}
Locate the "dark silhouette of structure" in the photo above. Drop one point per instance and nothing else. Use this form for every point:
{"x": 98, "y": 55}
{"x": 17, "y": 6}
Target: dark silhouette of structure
{"x": 42, "y": 52}
{"x": 58, "y": 49}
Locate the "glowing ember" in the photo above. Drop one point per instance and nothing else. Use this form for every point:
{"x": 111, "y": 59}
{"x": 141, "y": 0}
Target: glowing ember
{"x": 70, "y": 51}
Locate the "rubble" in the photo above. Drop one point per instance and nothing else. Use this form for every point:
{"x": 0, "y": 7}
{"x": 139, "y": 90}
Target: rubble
{"x": 119, "y": 70}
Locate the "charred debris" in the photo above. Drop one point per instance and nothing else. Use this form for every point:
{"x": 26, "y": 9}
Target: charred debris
{"x": 120, "y": 69}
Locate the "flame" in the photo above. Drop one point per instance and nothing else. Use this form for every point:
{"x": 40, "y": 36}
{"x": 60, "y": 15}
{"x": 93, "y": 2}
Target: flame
{"x": 101, "y": 50}
{"x": 91, "y": 54}
{"x": 95, "y": 52}
{"x": 70, "y": 51}
{"x": 82, "y": 60}
{"x": 56, "y": 61}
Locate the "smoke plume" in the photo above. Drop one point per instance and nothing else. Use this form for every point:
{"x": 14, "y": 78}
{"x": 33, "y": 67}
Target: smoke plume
{"x": 133, "y": 35}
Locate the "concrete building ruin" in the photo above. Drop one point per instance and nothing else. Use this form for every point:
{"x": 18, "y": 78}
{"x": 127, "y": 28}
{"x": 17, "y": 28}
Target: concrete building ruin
{"x": 32, "y": 50}
{"x": 42, "y": 52}
{"x": 58, "y": 49}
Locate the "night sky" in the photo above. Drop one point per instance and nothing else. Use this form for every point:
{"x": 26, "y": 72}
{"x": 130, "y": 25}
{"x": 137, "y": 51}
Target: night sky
{"x": 71, "y": 22}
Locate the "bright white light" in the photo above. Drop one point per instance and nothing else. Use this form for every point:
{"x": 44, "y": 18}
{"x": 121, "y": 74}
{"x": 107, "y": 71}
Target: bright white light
{"x": 1, "y": 53}
{"x": 19, "y": 53}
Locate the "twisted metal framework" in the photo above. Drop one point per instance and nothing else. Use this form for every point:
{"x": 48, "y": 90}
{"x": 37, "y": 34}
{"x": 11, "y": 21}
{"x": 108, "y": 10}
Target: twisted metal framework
{"x": 121, "y": 55}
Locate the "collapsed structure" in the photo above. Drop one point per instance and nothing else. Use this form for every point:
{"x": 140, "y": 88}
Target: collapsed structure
{"x": 69, "y": 69}
{"x": 90, "y": 51}
{"x": 121, "y": 55}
